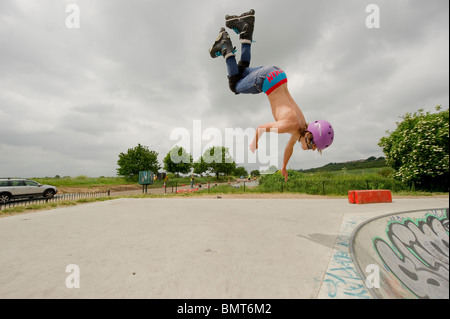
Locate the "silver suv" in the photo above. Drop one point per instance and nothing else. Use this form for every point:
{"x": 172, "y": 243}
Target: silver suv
{"x": 11, "y": 188}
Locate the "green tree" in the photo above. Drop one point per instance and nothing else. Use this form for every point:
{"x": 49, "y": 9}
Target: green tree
{"x": 240, "y": 171}
{"x": 255, "y": 173}
{"x": 137, "y": 159}
{"x": 418, "y": 150}
{"x": 271, "y": 169}
{"x": 219, "y": 161}
{"x": 178, "y": 161}
{"x": 200, "y": 166}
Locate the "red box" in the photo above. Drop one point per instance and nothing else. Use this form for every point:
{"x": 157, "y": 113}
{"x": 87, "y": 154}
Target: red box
{"x": 369, "y": 196}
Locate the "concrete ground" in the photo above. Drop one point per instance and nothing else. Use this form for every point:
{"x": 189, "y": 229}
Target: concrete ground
{"x": 183, "y": 248}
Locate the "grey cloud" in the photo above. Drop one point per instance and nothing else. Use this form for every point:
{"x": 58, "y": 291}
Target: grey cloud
{"x": 136, "y": 70}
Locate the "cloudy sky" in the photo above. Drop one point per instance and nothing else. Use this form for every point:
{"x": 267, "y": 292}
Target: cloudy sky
{"x": 135, "y": 71}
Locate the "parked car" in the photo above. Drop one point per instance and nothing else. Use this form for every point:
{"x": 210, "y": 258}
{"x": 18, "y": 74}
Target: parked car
{"x": 12, "y": 188}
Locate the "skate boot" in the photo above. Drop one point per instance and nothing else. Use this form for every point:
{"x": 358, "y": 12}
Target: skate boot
{"x": 242, "y": 25}
{"x": 222, "y": 46}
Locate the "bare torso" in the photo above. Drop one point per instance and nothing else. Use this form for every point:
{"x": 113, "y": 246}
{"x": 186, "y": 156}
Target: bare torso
{"x": 284, "y": 109}
{"x": 288, "y": 119}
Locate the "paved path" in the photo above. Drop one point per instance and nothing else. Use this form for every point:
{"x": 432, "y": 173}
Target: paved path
{"x": 172, "y": 189}
{"x": 183, "y": 248}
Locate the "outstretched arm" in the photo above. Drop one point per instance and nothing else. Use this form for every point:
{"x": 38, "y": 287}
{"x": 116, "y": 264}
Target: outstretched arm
{"x": 259, "y": 132}
{"x": 287, "y": 154}
{"x": 276, "y": 127}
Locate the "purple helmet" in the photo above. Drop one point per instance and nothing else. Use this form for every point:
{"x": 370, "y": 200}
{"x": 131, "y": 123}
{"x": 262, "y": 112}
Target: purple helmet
{"x": 323, "y": 133}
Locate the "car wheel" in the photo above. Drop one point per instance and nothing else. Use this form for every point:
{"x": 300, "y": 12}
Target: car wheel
{"x": 49, "y": 193}
{"x": 4, "y": 198}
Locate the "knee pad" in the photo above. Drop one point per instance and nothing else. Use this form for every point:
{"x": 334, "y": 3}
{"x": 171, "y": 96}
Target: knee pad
{"x": 242, "y": 65}
{"x": 232, "y": 81}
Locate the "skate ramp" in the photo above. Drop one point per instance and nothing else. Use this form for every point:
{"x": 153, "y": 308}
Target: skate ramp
{"x": 404, "y": 255}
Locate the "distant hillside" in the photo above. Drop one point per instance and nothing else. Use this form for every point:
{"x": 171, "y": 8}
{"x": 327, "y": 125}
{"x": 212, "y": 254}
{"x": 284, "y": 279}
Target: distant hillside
{"x": 371, "y": 162}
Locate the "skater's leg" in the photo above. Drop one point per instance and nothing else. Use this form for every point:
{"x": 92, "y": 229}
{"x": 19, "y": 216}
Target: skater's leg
{"x": 252, "y": 80}
{"x": 233, "y": 73}
{"x": 223, "y": 47}
{"x": 246, "y": 56}
{"x": 243, "y": 25}
{"x": 246, "y": 53}
{"x": 232, "y": 66}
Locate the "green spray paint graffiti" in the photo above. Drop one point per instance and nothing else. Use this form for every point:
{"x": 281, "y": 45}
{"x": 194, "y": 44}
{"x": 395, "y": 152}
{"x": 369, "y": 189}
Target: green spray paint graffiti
{"x": 419, "y": 255}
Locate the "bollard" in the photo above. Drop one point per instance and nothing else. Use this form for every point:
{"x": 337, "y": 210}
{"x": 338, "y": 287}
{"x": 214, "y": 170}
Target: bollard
{"x": 369, "y": 196}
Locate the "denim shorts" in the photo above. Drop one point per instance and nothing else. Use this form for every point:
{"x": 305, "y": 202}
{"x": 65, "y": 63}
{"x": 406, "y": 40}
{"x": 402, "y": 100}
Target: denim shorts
{"x": 260, "y": 79}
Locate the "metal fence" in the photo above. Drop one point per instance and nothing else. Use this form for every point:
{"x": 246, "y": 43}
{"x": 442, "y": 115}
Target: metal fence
{"x": 55, "y": 199}
{"x": 334, "y": 187}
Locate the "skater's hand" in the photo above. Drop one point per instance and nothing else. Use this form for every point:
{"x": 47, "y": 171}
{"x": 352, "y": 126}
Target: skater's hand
{"x": 284, "y": 173}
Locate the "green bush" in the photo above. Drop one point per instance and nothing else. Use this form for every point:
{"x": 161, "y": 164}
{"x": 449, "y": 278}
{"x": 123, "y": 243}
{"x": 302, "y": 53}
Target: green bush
{"x": 418, "y": 150}
{"x": 328, "y": 183}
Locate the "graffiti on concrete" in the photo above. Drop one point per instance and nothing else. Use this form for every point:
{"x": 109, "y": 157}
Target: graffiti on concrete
{"x": 419, "y": 255}
{"x": 342, "y": 279}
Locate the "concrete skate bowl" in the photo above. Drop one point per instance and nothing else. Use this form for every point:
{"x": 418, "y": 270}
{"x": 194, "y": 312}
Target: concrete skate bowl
{"x": 404, "y": 255}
